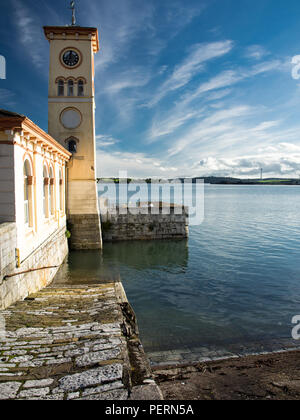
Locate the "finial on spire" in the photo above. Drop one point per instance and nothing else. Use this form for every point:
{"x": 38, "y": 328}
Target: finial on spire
{"x": 73, "y": 13}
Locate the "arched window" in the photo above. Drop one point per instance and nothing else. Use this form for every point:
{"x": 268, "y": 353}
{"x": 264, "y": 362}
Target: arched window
{"x": 70, "y": 88}
{"x": 72, "y": 146}
{"x": 51, "y": 192}
{"x": 80, "y": 88}
{"x": 28, "y": 180}
{"x": 61, "y": 88}
{"x": 61, "y": 191}
{"x": 45, "y": 192}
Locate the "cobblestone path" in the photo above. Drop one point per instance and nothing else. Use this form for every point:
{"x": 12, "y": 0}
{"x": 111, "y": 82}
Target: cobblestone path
{"x": 73, "y": 343}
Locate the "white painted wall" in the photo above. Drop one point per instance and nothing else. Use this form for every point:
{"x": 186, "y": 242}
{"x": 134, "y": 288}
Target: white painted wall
{"x": 30, "y": 238}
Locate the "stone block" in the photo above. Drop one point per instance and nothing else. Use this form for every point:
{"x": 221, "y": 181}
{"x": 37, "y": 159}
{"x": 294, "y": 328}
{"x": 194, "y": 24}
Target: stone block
{"x": 8, "y": 390}
{"x": 92, "y": 377}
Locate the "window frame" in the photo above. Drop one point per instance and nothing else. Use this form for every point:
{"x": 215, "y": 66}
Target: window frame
{"x": 60, "y": 87}
{"x": 45, "y": 192}
{"x": 51, "y": 192}
{"x": 80, "y": 88}
{"x": 70, "y": 87}
{"x": 28, "y": 193}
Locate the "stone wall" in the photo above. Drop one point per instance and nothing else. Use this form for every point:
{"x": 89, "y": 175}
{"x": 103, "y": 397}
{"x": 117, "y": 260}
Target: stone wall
{"x": 8, "y": 245}
{"x": 143, "y": 224}
{"x": 51, "y": 253}
{"x": 85, "y": 231}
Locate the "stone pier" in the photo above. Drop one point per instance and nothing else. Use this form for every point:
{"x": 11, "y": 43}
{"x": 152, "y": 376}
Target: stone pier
{"x": 154, "y": 221}
{"x": 74, "y": 343}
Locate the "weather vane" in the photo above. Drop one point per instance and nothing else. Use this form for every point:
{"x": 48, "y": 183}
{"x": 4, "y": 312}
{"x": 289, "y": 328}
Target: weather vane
{"x": 73, "y": 13}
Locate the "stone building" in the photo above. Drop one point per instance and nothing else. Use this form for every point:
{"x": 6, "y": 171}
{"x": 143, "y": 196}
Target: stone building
{"x": 32, "y": 206}
{"x": 49, "y": 179}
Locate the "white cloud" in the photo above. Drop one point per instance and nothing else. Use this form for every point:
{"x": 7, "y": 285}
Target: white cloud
{"x": 103, "y": 140}
{"x": 191, "y": 65}
{"x": 120, "y": 23}
{"x": 217, "y": 87}
{"x": 231, "y": 77}
{"x": 132, "y": 78}
{"x": 256, "y": 52}
{"x": 280, "y": 160}
{"x": 30, "y": 33}
{"x": 136, "y": 164}
{"x": 7, "y": 98}
{"x": 218, "y": 95}
{"x": 278, "y": 163}
{"x": 169, "y": 125}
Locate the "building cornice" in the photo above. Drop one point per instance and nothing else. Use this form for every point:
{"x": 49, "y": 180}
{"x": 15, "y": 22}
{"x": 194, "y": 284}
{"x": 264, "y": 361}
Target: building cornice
{"x": 76, "y": 31}
{"x": 28, "y": 128}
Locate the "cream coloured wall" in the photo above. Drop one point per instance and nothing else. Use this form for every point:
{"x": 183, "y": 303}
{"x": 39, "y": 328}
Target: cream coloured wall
{"x": 82, "y": 190}
{"x": 29, "y": 238}
{"x": 30, "y": 253}
{"x": 85, "y": 69}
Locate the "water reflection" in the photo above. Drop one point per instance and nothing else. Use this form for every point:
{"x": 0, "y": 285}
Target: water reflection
{"x": 92, "y": 267}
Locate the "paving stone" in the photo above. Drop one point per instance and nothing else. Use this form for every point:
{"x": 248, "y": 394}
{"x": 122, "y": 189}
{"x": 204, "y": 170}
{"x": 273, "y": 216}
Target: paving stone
{"x": 34, "y": 392}
{"x": 7, "y": 365}
{"x": 117, "y": 395}
{"x": 146, "y": 392}
{"x": 76, "y": 352}
{"x": 58, "y": 361}
{"x": 103, "y": 388}
{"x": 64, "y": 348}
{"x": 34, "y": 363}
{"x": 56, "y": 397}
{"x": 106, "y": 346}
{"x": 21, "y": 343}
{"x": 15, "y": 353}
{"x": 71, "y": 342}
{"x": 56, "y": 390}
{"x": 11, "y": 375}
{"x": 38, "y": 383}
{"x": 21, "y": 359}
{"x": 91, "y": 377}
{"x": 73, "y": 395}
{"x": 41, "y": 350}
{"x": 95, "y": 357}
{"x": 8, "y": 390}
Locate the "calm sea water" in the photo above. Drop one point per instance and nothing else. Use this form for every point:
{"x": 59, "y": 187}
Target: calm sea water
{"x": 233, "y": 287}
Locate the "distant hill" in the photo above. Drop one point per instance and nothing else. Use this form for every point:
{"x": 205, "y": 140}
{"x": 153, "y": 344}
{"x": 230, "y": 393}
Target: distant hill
{"x": 213, "y": 180}
{"x": 238, "y": 181}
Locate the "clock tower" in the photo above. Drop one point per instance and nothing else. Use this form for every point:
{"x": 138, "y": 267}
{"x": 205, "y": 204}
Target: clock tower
{"x": 71, "y": 120}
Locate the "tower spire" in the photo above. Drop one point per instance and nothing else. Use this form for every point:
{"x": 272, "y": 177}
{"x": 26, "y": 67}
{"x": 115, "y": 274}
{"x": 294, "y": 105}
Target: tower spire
{"x": 73, "y": 8}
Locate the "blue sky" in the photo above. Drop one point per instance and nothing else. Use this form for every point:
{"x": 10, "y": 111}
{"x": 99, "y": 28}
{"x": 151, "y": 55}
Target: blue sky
{"x": 183, "y": 88}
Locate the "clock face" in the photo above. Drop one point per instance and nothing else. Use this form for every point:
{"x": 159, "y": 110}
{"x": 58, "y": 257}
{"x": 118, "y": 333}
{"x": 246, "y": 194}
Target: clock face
{"x": 71, "y": 58}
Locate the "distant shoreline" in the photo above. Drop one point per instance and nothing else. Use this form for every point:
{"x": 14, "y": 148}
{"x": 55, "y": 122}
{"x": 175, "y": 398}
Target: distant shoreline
{"x": 207, "y": 180}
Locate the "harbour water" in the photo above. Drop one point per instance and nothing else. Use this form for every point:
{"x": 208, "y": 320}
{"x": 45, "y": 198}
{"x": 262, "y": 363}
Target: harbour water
{"x": 232, "y": 288}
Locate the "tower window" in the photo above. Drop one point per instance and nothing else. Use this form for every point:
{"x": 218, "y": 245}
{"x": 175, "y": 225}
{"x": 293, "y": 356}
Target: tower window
{"x": 70, "y": 88}
{"x": 61, "y": 88}
{"x": 80, "y": 88}
{"x": 72, "y": 146}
